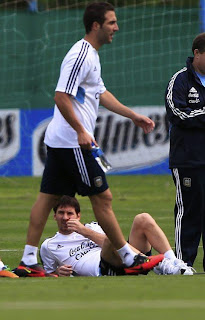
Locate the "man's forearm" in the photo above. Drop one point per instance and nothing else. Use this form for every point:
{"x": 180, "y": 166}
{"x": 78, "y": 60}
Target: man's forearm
{"x": 94, "y": 236}
{"x": 111, "y": 103}
{"x": 64, "y": 104}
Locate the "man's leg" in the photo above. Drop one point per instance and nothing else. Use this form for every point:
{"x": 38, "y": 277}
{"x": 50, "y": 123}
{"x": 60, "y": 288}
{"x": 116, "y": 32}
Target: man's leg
{"x": 145, "y": 234}
{"x": 102, "y": 207}
{"x": 111, "y": 263}
{"x": 188, "y": 210}
{"x": 110, "y": 255}
{"x": 38, "y": 217}
{"x": 29, "y": 266}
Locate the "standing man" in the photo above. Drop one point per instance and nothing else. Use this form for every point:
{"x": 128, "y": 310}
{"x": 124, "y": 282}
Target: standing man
{"x": 70, "y": 167}
{"x": 185, "y": 105}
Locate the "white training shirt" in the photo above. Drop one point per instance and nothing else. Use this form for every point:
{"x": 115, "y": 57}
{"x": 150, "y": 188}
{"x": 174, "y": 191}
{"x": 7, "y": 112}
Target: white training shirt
{"x": 73, "y": 249}
{"x": 80, "y": 77}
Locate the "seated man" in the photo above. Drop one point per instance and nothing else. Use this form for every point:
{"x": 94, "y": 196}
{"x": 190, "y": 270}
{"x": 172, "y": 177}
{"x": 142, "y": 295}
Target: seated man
{"x": 84, "y": 250}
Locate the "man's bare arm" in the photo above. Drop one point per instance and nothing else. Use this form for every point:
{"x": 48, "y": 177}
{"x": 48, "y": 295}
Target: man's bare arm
{"x": 75, "y": 225}
{"x": 64, "y": 104}
{"x": 111, "y": 103}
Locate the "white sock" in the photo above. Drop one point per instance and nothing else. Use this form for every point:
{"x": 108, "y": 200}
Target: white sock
{"x": 30, "y": 255}
{"x": 127, "y": 255}
{"x": 170, "y": 254}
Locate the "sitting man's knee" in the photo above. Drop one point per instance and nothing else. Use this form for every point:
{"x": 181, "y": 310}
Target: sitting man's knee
{"x": 144, "y": 220}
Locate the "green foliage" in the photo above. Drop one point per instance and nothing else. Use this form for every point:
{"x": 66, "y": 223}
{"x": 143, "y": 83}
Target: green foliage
{"x": 52, "y": 4}
{"x": 118, "y": 3}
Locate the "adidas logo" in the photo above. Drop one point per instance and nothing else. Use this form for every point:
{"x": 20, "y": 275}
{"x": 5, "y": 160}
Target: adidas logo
{"x": 194, "y": 95}
{"x": 59, "y": 246}
{"x": 193, "y": 90}
{"x": 31, "y": 254}
{"x": 95, "y": 69}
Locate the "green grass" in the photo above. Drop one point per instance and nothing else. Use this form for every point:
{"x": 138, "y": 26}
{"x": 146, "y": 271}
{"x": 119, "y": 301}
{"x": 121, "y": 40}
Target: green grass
{"x": 127, "y": 298}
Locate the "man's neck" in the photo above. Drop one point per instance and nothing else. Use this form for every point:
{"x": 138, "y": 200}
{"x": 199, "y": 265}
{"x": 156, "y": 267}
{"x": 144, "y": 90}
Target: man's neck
{"x": 65, "y": 233}
{"x": 89, "y": 38}
{"x": 197, "y": 69}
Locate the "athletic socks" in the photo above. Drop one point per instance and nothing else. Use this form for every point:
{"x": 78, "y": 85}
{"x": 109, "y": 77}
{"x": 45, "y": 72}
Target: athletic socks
{"x": 170, "y": 254}
{"x": 30, "y": 255}
{"x": 127, "y": 255}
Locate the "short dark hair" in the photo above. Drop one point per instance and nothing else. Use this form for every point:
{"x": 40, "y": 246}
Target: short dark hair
{"x": 67, "y": 201}
{"x": 199, "y": 43}
{"x": 95, "y": 12}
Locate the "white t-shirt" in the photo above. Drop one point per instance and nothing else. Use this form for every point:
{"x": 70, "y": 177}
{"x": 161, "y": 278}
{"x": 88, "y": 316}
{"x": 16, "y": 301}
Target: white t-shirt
{"x": 73, "y": 249}
{"x": 80, "y": 77}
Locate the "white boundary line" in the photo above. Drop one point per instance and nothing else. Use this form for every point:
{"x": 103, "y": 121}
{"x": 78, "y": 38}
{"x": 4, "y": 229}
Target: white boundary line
{"x": 112, "y": 305}
{"x": 11, "y": 250}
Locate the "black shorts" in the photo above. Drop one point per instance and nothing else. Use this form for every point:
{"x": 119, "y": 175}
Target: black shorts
{"x": 71, "y": 171}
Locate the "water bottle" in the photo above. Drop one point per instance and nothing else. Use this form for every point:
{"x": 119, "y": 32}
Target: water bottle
{"x": 100, "y": 158}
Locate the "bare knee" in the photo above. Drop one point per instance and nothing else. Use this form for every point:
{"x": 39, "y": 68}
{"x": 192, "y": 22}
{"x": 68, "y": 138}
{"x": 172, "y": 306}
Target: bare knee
{"x": 144, "y": 221}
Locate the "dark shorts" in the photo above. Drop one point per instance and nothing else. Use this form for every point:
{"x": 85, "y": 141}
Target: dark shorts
{"x": 71, "y": 171}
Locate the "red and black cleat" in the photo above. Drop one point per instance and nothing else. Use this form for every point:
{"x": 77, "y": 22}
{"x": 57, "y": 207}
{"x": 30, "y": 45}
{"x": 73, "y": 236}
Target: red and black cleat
{"x": 34, "y": 270}
{"x": 143, "y": 264}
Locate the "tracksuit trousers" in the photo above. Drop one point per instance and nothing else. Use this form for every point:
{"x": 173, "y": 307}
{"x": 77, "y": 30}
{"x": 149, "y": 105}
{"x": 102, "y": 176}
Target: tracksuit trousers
{"x": 189, "y": 212}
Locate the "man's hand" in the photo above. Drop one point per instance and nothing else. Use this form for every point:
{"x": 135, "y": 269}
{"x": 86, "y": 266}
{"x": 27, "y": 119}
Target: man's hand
{"x": 75, "y": 225}
{"x": 64, "y": 271}
{"x": 144, "y": 122}
{"x": 85, "y": 140}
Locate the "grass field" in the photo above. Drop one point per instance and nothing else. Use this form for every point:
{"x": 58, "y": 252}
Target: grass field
{"x": 156, "y": 297}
